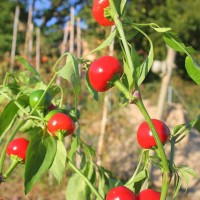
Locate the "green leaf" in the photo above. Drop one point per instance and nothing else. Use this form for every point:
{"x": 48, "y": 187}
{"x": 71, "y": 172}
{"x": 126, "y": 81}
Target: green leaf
{"x": 188, "y": 170}
{"x": 140, "y": 176}
{"x": 58, "y": 166}
{"x": 185, "y": 176}
{"x": 76, "y": 183}
{"x": 28, "y": 66}
{"x": 26, "y": 80}
{"x": 192, "y": 69}
{"x": 182, "y": 173}
{"x": 88, "y": 150}
{"x": 40, "y": 155}
{"x": 27, "y": 126}
{"x": 70, "y": 72}
{"x": 174, "y": 42}
{"x": 177, "y": 185}
{"x": 8, "y": 117}
{"x": 191, "y": 66}
{"x": 197, "y": 124}
{"x": 122, "y": 6}
{"x": 176, "y": 129}
{"x": 159, "y": 29}
{"x": 106, "y": 43}
{"x": 101, "y": 183}
{"x": 194, "y": 123}
{"x": 89, "y": 171}
{"x": 77, "y": 189}
{"x": 73, "y": 148}
{"x": 12, "y": 83}
{"x": 93, "y": 92}
{"x": 146, "y": 65}
{"x": 137, "y": 181}
{"x": 129, "y": 75}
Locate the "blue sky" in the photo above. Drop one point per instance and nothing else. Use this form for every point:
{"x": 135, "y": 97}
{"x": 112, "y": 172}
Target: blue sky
{"x": 41, "y": 5}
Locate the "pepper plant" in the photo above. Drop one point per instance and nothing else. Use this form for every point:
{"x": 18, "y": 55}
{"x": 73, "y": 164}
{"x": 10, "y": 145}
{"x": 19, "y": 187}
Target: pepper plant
{"x": 36, "y": 110}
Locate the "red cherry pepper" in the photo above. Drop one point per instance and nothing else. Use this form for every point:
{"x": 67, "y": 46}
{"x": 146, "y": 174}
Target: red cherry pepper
{"x": 145, "y": 137}
{"x": 18, "y": 147}
{"x": 98, "y": 12}
{"x": 103, "y": 71}
{"x": 149, "y": 194}
{"x": 121, "y": 193}
{"x": 60, "y": 122}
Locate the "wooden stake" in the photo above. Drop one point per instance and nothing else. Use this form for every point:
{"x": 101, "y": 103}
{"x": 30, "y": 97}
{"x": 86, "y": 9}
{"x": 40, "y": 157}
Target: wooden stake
{"x": 63, "y": 46}
{"x": 28, "y": 43}
{"x": 14, "y": 40}
{"x": 171, "y": 55}
{"x": 78, "y": 40}
{"x": 37, "y": 63}
{"x": 71, "y": 48}
{"x": 64, "y": 42}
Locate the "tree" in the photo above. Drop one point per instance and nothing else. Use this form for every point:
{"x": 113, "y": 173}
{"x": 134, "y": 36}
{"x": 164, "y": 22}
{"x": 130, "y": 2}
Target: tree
{"x": 6, "y": 24}
{"x": 181, "y": 17}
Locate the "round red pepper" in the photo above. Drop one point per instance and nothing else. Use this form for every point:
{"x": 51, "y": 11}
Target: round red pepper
{"x": 149, "y": 194}
{"x": 98, "y": 12}
{"x": 121, "y": 193}
{"x": 60, "y": 122}
{"x": 103, "y": 71}
{"x": 145, "y": 137}
{"x": 18, "y": 147}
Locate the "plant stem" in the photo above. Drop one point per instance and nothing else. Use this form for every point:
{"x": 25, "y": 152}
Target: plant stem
{"x": 120, "y": 29}
{"x": 122, "y": 88}
{"x": 85, "y": 179}
{"x": 14, "y": 163}
{"x": 3, "y": 154}
{"x": 60, "y": 135}
{"x": 16, "y": 103}
{"x": 172, "y": 142}
{"x": 129, "y": 183}
{"x": 166, "y": 171}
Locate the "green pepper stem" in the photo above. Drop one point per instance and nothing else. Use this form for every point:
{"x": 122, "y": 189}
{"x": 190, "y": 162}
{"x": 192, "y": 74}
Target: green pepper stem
{"x": 138, "y": 101}
{"x": 142, "y": 155}
{"x": 87, "y": 181}
{"x": 14, "y": 163}
{"x": 60, "y": 135}
{"x": 120, "y": 29}
{"x": 166, "y": 171}
{"x": 120, "y": 86}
